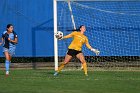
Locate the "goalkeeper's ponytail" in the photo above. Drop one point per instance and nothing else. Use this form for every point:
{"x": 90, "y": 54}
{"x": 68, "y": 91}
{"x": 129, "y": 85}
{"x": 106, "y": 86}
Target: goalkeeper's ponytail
{"x": 78, "y": 28}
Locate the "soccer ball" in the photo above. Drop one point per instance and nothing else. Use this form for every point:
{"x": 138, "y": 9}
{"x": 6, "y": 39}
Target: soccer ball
{"x": 59, "y": 35}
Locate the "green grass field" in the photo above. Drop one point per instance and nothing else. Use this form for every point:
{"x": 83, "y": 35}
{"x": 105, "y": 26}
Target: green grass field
{"x": 43, "y": 81}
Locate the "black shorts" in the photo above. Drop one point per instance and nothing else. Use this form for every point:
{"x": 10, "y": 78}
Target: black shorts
{"x": 73, "y": 52}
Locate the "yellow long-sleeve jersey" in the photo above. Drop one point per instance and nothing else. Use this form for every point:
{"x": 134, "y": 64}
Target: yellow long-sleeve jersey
{"x": 78, "y": 40}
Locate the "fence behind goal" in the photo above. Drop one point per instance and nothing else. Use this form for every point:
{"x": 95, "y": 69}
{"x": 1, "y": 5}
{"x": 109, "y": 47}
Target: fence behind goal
{"x": 111, "y": 26}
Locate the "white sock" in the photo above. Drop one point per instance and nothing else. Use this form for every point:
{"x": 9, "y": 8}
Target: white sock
{"x": 7, "y": 72}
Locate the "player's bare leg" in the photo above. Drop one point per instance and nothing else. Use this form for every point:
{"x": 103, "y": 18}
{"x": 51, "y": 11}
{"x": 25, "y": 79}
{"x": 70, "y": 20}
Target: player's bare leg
{"x": 66, "y": 61}
{"x": 81, "y": 57}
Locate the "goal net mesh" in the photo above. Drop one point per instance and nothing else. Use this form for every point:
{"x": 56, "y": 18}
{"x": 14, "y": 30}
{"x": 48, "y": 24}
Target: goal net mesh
{"x": 113, "y": 27}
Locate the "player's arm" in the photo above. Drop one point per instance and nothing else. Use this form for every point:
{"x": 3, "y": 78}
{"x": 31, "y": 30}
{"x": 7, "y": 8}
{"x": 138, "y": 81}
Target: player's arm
{"x": 68, "y": 36}
{"x": 65, "y": 37}
{"x": 15, "y": 41}
{"x": 92, "y": 49}
{"x": 2, "y": 39}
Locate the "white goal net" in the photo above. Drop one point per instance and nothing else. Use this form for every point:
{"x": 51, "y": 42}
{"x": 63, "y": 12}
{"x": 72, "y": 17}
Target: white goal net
{"x": 113, "y": 27}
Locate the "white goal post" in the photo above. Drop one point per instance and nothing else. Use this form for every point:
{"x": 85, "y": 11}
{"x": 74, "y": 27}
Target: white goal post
{"x": 55, "y": 39}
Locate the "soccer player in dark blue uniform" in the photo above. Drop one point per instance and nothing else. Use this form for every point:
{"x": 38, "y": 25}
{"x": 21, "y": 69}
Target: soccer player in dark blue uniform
{"x": 9, "y": 41}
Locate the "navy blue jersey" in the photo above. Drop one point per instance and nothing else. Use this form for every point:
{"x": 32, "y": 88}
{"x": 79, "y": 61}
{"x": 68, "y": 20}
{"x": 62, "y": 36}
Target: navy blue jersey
{"x": 5, "y": 36}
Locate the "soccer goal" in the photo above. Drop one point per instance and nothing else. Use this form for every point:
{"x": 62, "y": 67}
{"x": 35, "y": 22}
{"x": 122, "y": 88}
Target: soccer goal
{"x": 112, "y": 26}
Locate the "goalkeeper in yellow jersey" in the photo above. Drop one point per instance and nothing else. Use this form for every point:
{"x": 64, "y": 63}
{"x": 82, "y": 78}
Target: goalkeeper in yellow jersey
{"x": 75, "y": 48}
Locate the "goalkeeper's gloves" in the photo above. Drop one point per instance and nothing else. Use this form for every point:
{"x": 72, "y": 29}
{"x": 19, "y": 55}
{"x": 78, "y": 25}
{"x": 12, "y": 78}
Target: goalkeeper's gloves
{"x": 97, "y": 52}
